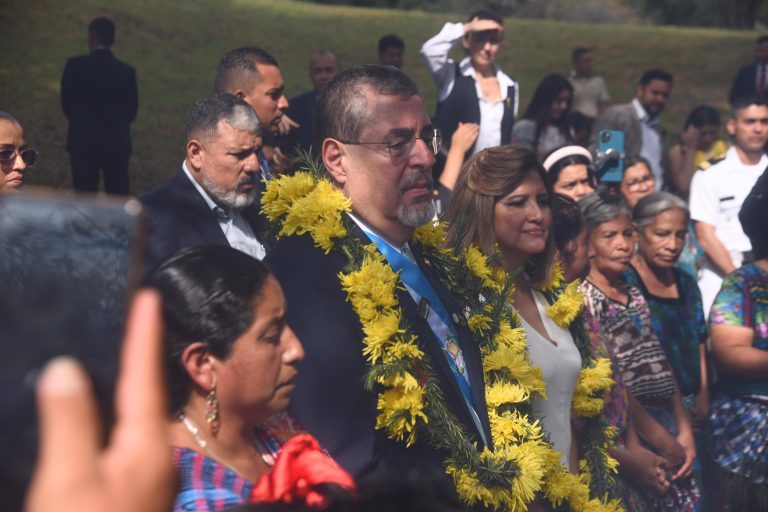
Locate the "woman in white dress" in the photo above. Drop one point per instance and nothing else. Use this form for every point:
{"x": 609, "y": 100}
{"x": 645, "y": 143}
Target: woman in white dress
{"x": 501, "y": 203}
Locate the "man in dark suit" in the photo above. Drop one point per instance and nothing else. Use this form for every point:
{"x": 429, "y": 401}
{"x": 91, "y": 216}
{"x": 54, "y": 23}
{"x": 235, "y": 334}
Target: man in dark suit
{"x": 100, "y": 98}
{"x": 752, "y": 80}
{"x": 378, "y": 147}
{"x": 323, "y": 66}
{"x": 213, "y": 198}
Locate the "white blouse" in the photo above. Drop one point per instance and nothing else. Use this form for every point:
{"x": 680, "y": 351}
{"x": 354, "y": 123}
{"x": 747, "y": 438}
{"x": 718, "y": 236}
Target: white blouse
{"x": 560, "y": 365}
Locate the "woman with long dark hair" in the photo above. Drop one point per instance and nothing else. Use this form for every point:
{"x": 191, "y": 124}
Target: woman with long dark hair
{"x": 545, "y": 123}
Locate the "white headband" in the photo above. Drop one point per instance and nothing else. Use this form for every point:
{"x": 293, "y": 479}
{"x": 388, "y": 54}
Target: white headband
{"x": 561, "y": 153}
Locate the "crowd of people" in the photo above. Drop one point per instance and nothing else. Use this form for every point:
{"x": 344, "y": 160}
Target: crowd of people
{"x": 357, "y": 306}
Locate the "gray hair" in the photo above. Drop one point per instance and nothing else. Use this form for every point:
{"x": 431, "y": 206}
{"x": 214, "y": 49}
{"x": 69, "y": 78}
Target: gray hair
{"x": 203, "y": 118}
{"x": 8, "y": 117}
{"x": 653, "y": 204}
{"x": 602, "y": 207}
{"x": 341, "y": 109}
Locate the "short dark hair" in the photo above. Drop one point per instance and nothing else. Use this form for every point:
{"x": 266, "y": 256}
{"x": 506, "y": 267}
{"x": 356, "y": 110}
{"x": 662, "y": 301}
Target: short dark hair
{"x": 655, "y": 74}
{"x": 485, "y": 14}
{"x": 567, "y": 222}
{"x": 578, "y": 52}
{"x": 238, "y": 69}
{"x": 702, "y": 115}
{"x": 747, "y": 101}
{"x": 752, "y": 217}
{"x": 209, "y": 294}
{"x": 102, "y": 31}
{"x": 341, "y": 109}
{"x": 203, "y": 118}
{"x": 391, "y": 41}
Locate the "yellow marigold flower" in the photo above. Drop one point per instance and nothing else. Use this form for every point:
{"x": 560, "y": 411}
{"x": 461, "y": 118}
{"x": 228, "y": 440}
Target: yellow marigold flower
{"x": 501, "y": 393}
{"x": 568, "y": 306}
{"x": 560, "y": 484}
{"x": 555, "y": 280}
{"x": 597, "y": 378}
{"x": 511, "y": 337}
{"x": 282, "y": 191}
{"x": 401, "y": 410}
{"x": 401, "y": 349}
{"x": 479, "y": 323}
{"x": 431, "y": 235}
{"x": 512, "y": 427}
{"x": 586, "y": 406}
{"x": 478, "y": 265}
{"x": 378, "y": 334}
{"x": 517, "y": 364}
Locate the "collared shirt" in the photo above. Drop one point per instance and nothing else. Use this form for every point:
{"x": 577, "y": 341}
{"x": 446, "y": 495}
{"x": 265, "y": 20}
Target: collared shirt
{"x": 443, "y": 70}
{"x": 761, "y": 79}
{"x": 651, "y": 149}
{"x": 588, "y": 93}
{"x": 232, "y": 223}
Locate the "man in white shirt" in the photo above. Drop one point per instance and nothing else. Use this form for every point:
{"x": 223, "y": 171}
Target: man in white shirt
{"x": 214, "y": 197}
{"x": 718, "y": 192}
{"x": 639, "y": 120}
{"x": 590, "y": 95}
{"x": 474, "y": 90}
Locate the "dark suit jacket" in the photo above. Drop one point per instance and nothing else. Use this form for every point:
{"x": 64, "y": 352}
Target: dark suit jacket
{"x": 100, "y": 99}
{"x": 179, "y": 217}
{"x": 744, "y": 84}
{"x": 329, "y": 399}
{"x": 302, "y": 110}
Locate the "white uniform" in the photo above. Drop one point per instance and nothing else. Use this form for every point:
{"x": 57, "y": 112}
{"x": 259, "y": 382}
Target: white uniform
{"x": 717, "y": 194}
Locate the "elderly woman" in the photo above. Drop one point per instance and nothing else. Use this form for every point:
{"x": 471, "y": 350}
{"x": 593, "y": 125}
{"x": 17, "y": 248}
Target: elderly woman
{"x": 637, "y": 181}
{"x": 619, "y": 318}
{"x": 672, "y": 295}
{"x": 568, "y": 170}
{"x": 231, "y": 361}
{"x": 15, "y": 156}
{"x": 504, "y": 194}
{"x": 739, "y": 328}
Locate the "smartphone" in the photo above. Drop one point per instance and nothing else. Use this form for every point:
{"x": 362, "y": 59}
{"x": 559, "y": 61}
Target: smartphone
{"x": 610, "y": 156}
{"x": 68, "y": 265}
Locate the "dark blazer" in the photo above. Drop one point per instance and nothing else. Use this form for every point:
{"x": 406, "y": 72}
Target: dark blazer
{"x": 329, "y": 399}
{"x": 179, "y": 217}
{"x": 744, "y": 84}
{"x": 302, "y": 110}
{"x": 100, "y": 98}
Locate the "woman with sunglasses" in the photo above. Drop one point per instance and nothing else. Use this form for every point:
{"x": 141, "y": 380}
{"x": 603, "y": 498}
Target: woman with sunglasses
{"x": 15, "y": 156}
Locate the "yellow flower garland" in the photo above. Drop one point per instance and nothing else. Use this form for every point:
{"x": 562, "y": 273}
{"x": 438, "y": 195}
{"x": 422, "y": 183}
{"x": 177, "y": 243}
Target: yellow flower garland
{"x": 305, "y": 204}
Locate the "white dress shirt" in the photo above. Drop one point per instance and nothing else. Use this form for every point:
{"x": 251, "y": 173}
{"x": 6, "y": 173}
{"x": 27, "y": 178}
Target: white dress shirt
{"x": 232, "y": 223}
{"x": 651, "y": 149}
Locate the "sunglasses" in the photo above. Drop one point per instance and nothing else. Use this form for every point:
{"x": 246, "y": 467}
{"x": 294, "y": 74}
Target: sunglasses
{"x": 8, "y": 156}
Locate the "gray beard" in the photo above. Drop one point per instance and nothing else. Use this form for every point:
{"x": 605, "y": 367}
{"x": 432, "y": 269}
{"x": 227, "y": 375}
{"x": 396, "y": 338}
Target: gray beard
{"x": 229, "y": 198}
{"x": 416, "y": 215}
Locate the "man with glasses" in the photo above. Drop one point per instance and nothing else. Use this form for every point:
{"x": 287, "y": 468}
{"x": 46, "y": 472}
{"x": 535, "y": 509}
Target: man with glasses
{"x": 15, "y": 156}
{"x": 718, "y": 192}
{"x": 213, "y": 199}
{"x": 378, "y": 147}
{"x": 100, "y": 98}
{"x": 474, "y": 90}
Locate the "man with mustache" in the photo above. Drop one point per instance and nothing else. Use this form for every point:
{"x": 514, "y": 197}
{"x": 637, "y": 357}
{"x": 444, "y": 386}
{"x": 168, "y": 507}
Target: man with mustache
{"x": 378, "y": 146}
{"x": 214, "y": 197}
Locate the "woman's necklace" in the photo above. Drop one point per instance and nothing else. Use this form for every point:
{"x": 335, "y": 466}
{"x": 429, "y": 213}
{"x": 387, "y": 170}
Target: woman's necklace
{"x": 193, "y": 429}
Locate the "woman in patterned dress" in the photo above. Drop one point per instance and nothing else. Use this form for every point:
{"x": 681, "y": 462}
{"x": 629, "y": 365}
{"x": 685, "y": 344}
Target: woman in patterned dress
{"x": 739, "y": 329}
{"x": 620, "y": 322}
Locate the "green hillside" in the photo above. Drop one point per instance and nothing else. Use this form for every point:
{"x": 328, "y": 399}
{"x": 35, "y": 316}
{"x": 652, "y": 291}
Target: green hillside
{"x": 175, "y": 47}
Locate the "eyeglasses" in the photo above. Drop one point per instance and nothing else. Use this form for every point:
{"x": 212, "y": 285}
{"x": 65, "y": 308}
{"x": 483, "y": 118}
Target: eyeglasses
{"x": 8, "y": 156}
{"x": 635, "y": 183}
{"x": 400, "y": 149}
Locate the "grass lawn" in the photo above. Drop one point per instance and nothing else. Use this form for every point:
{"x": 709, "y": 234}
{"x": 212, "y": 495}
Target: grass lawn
{"x": 175, "y": 47}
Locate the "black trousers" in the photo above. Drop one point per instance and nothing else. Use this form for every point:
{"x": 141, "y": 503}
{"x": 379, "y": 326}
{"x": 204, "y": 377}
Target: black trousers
{"x": 86, "y": 165}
